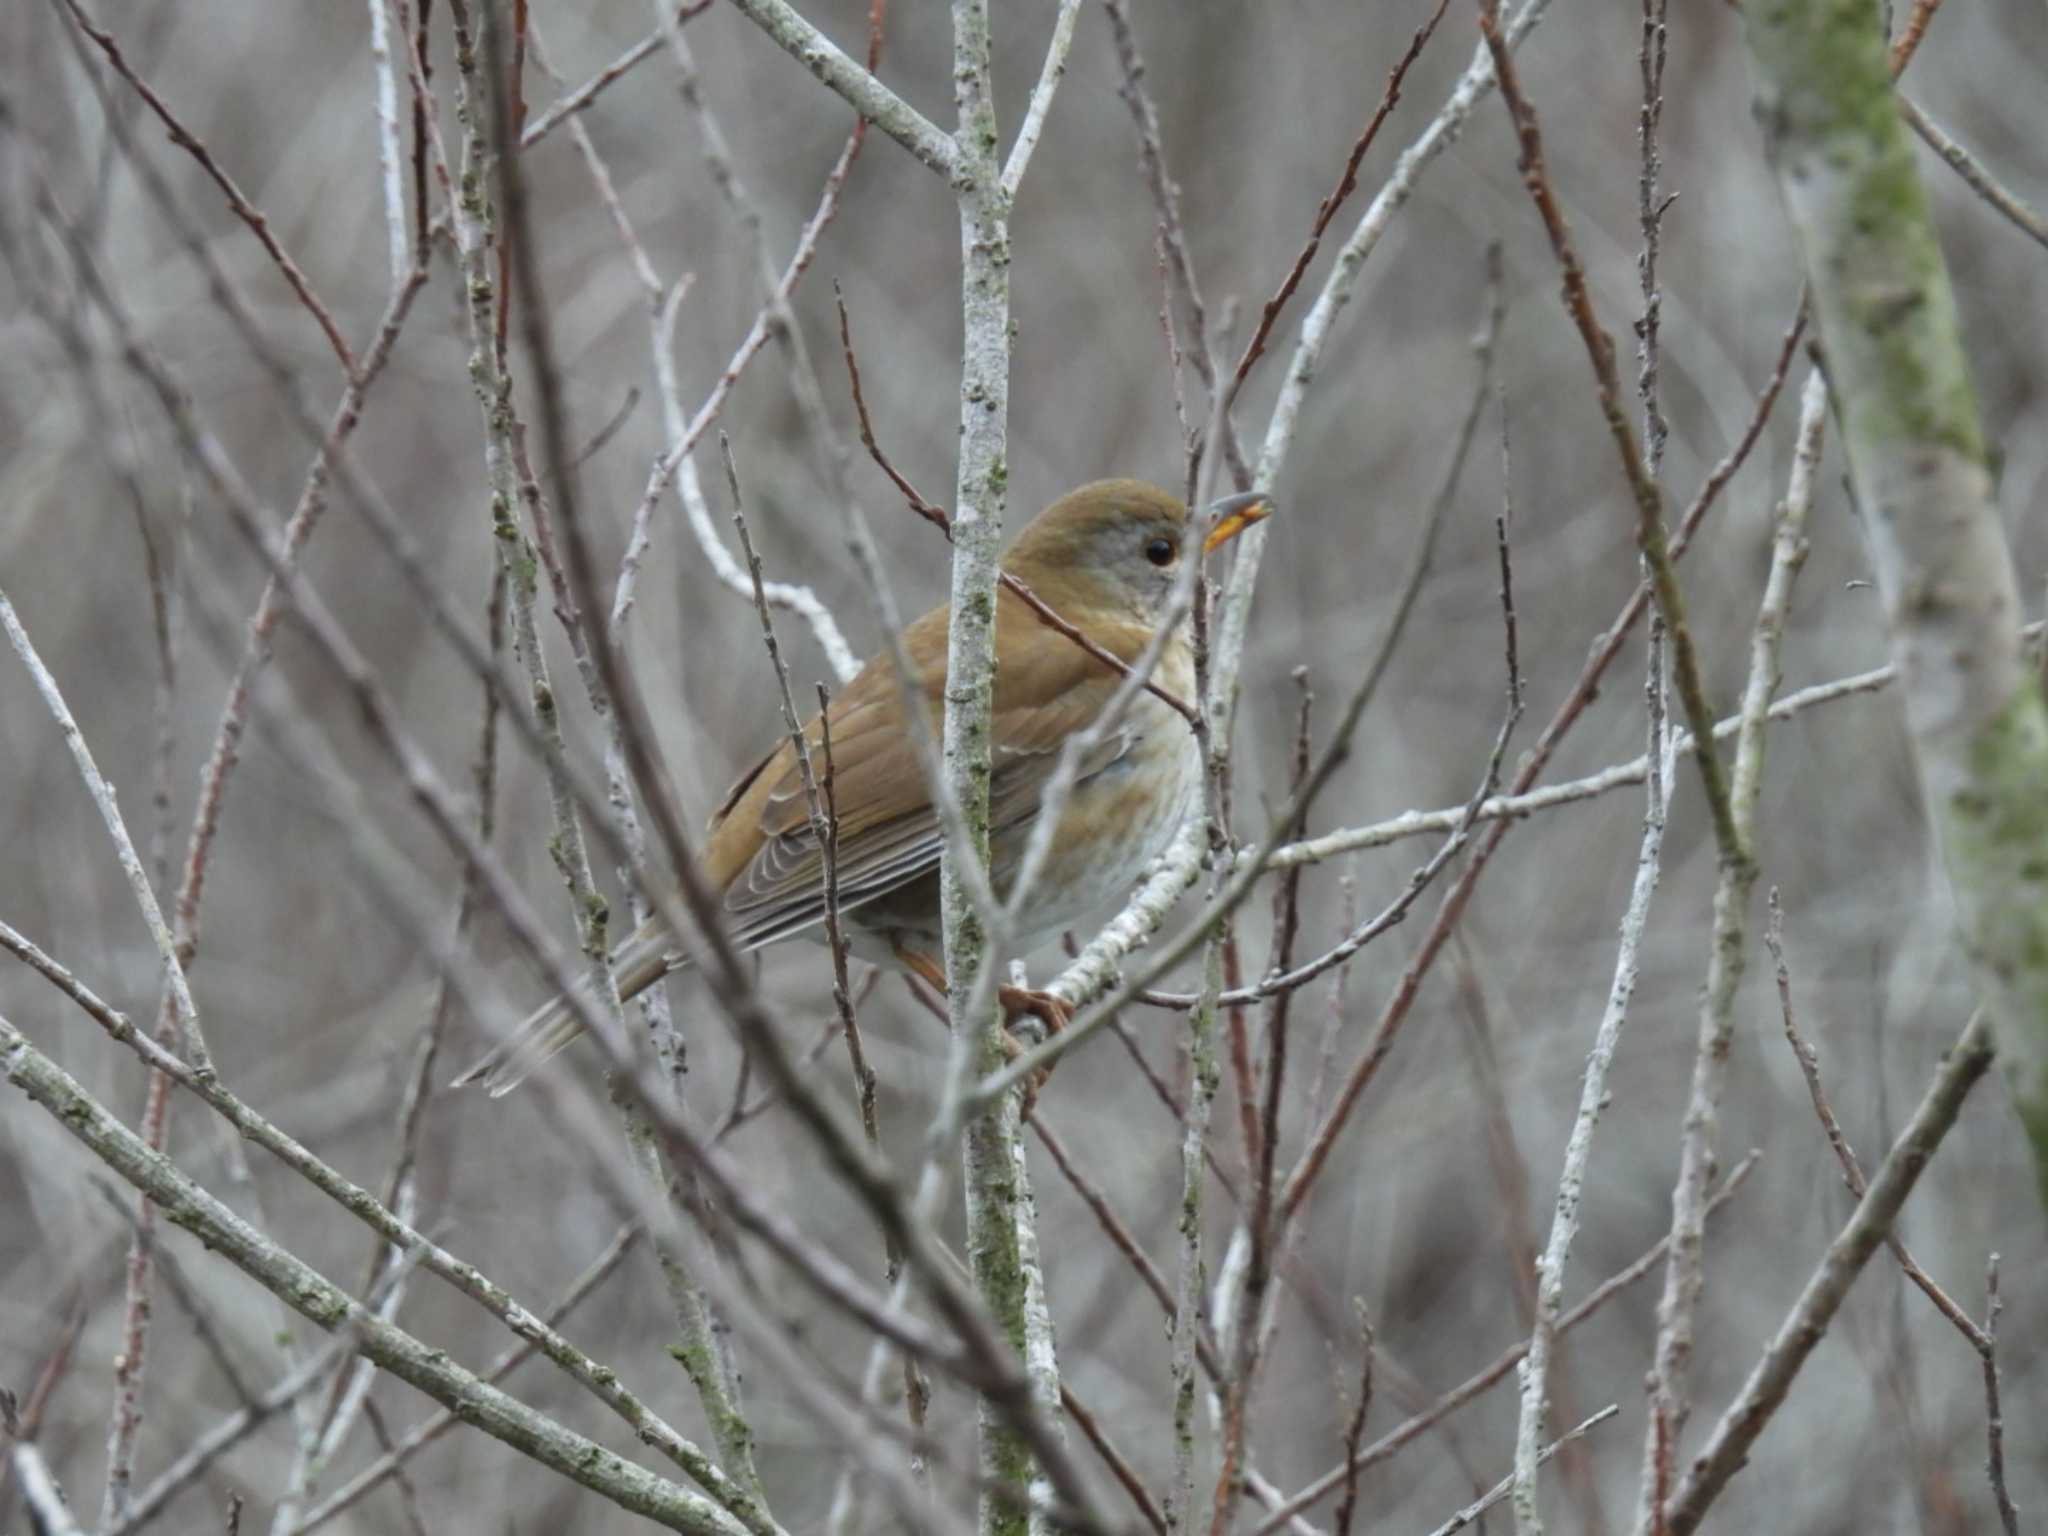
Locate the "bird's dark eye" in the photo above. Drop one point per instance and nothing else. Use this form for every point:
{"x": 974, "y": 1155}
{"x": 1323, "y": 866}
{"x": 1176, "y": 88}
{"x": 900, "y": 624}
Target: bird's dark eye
{"x": 1160, "y": 551}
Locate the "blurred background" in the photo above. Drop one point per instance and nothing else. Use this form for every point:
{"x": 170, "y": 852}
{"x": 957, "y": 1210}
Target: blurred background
{"x": 310, "y": 982}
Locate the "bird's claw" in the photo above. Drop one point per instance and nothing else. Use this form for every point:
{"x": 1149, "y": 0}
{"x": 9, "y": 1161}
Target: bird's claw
{"x": 1051, "y": 1010}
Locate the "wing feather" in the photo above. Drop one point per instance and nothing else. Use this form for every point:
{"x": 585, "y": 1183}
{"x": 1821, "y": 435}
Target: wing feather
{"x": 889, "y": 834}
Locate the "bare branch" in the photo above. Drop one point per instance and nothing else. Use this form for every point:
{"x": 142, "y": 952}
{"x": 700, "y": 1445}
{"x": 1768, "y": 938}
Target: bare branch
{"x": 1728, "y": 1447}
{"x": 873, "y": 100}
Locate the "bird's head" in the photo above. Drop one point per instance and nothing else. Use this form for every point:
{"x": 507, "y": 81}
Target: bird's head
{"x": 1116, "y": 547}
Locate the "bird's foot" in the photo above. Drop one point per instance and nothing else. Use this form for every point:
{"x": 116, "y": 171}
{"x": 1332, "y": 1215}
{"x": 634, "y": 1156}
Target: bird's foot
{"x": 1051, "y": 1010}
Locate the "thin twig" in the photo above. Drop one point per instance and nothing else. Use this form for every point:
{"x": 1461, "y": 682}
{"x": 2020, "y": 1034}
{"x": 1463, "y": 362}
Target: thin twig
{"x": 1852, "y": 1167}
{"x": 1354, "y": 1427}
{"x": 1472, "y": 1512}
{"x": 1050, "y": 74}
{"x": 325, "y": 1304}
{"x": 1347, "y": 183}
{"x": 940, "y": 519}
{"x": 1165, "y": 193}
{"x": 1975, "y": 176}
{"x": 1421, "y": 1423}
{"x": 1994, "y": 1418}
{"x": 1907, "y": 43}
{"x": 244, "y": 210}
{"x": 1728, "y": 1447}
{"x": 102, "y": 795}
{"x": 572, "y": 102}
{"x": 433, "y": 1427}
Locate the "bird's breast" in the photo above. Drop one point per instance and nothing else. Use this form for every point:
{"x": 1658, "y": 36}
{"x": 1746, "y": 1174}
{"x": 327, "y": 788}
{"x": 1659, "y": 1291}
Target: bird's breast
{"x": 1115, "y": 823}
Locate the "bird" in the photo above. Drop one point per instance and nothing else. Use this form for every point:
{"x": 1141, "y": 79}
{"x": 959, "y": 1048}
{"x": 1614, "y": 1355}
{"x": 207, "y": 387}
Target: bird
{"x": 1107, "y": 558}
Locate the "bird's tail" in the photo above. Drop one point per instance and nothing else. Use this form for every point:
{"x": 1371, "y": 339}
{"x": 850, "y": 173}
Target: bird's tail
{"x": 640, "y": 962}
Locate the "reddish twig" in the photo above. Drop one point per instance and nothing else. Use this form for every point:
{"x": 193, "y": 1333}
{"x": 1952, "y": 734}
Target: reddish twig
{"x": 584, "y": 94}
{"x": 1728, "y": 1447}
{"x": 1908, "y": 42}
{"x": 1120, "y": 1468}
{"x": 1449, "y": 913}
{"x": 939, "y": 519}
{"x": 420, "y": 135}
{"x": 1500, "y": 1367}
{"x": 1651, "y": 536}
{"x": 1852, "y": 1167}
{"x": 1166, "y": 201}
{"x": 1112, "y": 1225}
{"x": 1347, "y": 183}
{"x": 1354, "y": 1427}
{"x": 512, "y": 95}
{"x": 244, "y": 210}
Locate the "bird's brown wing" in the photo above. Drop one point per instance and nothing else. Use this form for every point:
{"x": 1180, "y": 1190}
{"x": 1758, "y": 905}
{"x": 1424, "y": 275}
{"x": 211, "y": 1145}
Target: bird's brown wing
{"x": 764, "y": 852}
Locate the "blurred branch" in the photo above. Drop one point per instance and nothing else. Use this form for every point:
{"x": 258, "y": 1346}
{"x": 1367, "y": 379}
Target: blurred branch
{"x": 1651, "y": 536}
{"x": 1907, "y": 43}
{"x": 1978, "y": 179}
{"x": 795, "y": 36}
{"x": 1347, "y": 183}
{"x": 1728, "y": 1447}
{"x": 1994, "y": 1417}
{"x": 309, "y": 1293}
{"x": 570, "y": 103}
{"x": 1983, "y": 1340}
{"x": 1421, "y": 1423}
{"x": 1173, "y": 239}
{"x": 683, "y": 435}
{"x": 714, "y": 1376}
{"x": 1895, "y": 362}
{"x": 244, "y": 210}
{"x": 1852, "y": 1169}
{"x": 1474, "y": 1511}
{"x": 39, "y": 1487}
{"x": 430, "y": 1429}
{"x": 1319, "y": 325}
{"x": 776, "y": 319}
{"x": 390, "y": 166}
{"x": 102, "y": 795}
{"x": 225, "y": 752}
{"x": 206, "y": 1448}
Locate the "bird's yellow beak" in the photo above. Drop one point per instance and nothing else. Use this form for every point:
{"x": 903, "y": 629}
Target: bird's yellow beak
{"x": 1233, "y": 515}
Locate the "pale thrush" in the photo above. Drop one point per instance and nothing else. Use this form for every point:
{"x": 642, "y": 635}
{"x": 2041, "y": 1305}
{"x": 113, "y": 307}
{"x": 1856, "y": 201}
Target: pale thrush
{"x": 1106, "y": 558}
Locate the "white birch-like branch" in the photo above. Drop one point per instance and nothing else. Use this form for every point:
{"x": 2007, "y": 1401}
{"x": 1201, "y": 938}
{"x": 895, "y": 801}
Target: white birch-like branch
{"x": 795, "y": 36}
{"x": 1049, "y": 76}
{"x": 390, "y": 156}
{"x": 1234, "y": 609}
{"x": 1564, "y": 1224}
{"x": 1727, "y": 955}
{"x": 1096, "y": 969}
